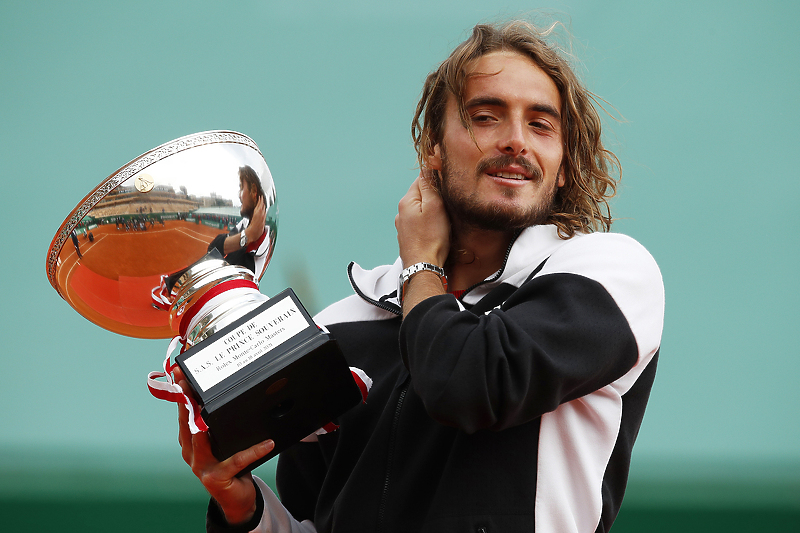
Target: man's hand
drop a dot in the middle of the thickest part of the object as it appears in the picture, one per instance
(236, 496)
(423, 234)
(423, 228)
(256, 226)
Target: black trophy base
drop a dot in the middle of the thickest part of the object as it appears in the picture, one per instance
(284, 406)
(284, 395)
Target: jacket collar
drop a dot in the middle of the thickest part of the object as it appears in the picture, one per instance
(533, 245)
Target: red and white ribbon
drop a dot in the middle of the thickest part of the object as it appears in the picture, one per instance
(210, 300)
(363, 381)
(160, 296)
(254, 246)
(168, 389)
(172, 392)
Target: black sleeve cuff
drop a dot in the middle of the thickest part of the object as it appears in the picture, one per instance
(216, 523)
(415, 317)
(218, 243)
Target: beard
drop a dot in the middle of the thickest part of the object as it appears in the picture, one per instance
(246, 212)
(469, 208)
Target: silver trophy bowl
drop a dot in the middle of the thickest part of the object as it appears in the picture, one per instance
(155, 217)
(141, 255)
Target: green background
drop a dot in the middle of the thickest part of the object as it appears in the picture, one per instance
(709, 95)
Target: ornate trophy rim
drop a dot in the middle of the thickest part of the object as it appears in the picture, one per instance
(126, 171)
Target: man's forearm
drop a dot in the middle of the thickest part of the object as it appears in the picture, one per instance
(421, 286)
(232, 243)
(272, 516)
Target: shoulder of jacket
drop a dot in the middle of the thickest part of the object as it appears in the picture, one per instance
(351, 309)
(375, 285)
(595, 252)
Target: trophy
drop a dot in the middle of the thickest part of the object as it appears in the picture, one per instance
(143, 255)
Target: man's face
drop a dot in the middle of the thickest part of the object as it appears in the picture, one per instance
(246, 196)
(507, 176)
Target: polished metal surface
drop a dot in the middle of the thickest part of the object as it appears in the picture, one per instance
(191, 287)
(224, 314)
(155, 217)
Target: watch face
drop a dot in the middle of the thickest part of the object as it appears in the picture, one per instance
(406, 274)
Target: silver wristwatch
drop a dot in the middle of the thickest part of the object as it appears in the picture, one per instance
(242, 239)
(406, 274)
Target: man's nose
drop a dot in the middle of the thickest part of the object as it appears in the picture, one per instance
(513, 140)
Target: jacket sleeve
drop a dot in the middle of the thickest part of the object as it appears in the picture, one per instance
(239, 257)
(574, 328)
(219, 240)
(218, 243)
(270, 517)
(299, 477)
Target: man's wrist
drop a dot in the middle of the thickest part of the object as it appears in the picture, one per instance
(253, 233)
(247, 521)
(240, 516)
(416, 268)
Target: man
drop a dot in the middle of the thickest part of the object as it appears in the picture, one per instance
(74, 237)
(245, 244)
(510, 384)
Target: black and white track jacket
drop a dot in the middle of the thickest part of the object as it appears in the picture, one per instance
(513, 409)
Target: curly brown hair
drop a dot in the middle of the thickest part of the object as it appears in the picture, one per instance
(249, 176)
(582, 203)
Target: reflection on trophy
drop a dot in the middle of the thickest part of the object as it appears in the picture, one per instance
(180, 237)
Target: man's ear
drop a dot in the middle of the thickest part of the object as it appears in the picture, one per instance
(434, 160)
(561, 178)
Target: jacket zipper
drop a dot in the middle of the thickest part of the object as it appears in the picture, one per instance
(396, 421)
(380, 305)
(397, 311)
(390, 457)
(497, 274)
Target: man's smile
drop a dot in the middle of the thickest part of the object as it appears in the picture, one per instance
(508, 175)
(511, 168)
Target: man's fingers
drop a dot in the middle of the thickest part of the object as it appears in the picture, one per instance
(427, 189)
(236, 463)
(425, 180)
(414, 190)
(184, 434)
(204, 465)
(201, 450)
(259, 217)
(412, 198)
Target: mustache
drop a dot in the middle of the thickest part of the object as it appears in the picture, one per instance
(508, 160)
